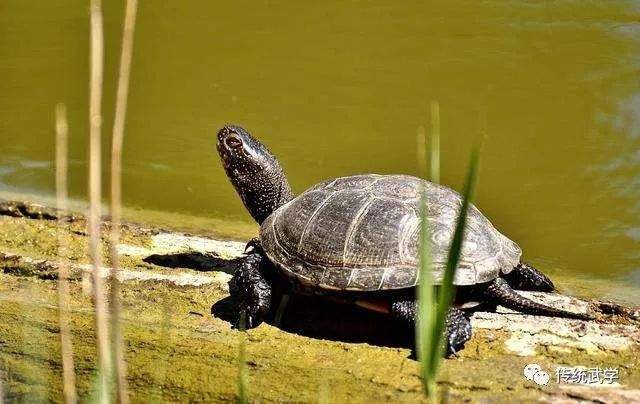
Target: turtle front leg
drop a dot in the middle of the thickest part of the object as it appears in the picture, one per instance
(526, 277)
(457, 325)
(251, 289)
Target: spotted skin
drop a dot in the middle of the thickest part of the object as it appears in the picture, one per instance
(254, 172)
(500, 290)
(457, 325)
(252, 290)
(526, 277)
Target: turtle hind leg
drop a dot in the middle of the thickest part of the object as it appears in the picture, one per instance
(526, 277)
(458, 331)
(457, 325)
(500, 290)
(252, 290)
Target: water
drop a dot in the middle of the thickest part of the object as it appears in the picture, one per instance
(338, 88)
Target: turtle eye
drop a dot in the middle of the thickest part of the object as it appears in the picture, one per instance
(233, 142)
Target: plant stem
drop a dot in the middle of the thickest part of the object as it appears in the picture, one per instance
(66, 349)
(243, 377)
(425, 292)
(446, 290)
(116, 193)
(95, 126)
(435, 142)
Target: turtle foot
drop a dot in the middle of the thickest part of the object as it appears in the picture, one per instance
(458, 331)
(457, 325)
(252, 291)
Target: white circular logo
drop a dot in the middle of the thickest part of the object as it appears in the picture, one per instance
(531, 370)
(541, 377)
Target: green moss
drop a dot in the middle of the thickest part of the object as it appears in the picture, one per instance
(177, 351)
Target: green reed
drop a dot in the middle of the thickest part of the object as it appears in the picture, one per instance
(124, 72)
(432, 308)
(96, 66)
(66, 347)
(435, 143)
(243, 376)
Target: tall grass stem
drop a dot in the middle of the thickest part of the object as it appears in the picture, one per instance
(446, 290)
(1, 386)
(432, 315)
(421, 138)
(323, 392)
(426, 301)
(425, 293)
(95, 127)
(435, 143)
(122, 93)
(66, 348)
(243, 376)
(243, 381)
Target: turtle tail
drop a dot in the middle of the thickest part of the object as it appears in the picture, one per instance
(500, 290)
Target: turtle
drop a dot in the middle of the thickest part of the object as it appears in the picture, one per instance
(356, 238)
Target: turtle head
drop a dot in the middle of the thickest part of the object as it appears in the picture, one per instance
(254, 172)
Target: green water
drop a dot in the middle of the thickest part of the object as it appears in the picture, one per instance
(338, 88)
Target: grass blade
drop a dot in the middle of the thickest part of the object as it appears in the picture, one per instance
(1, 385)
(446, 290)
(323, 392)
(116, 194)
(431, 316)
(435, 142)
(66, 349)
(243, 376)
(425, 292)
(95, 127)
(426, 302)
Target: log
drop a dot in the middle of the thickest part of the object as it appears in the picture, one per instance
(181, 346)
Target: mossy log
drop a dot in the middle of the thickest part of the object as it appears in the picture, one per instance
(180, 346)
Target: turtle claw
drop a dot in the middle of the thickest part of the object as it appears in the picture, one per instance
(245, 321)
(252, 245)
(248, 318)
(453, 346)
(248, 322)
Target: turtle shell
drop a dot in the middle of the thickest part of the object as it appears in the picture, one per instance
(361, 233)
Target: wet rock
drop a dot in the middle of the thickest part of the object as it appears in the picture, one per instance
(31, 211)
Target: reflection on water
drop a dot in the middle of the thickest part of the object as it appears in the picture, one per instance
(619, 176)
(339, 88)
(15, 171)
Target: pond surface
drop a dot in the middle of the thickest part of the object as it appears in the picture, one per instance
(339, 88)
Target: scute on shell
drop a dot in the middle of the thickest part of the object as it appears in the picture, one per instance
(362, 233)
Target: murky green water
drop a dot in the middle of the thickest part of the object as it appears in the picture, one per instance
(339, 88)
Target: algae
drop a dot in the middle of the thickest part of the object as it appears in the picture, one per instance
(180, 346)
